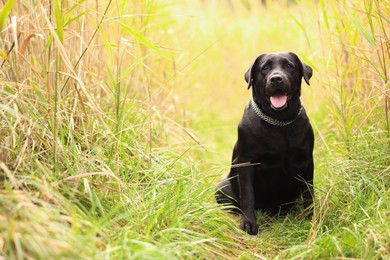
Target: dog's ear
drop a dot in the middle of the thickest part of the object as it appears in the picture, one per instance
(248, 77)
(307, 72)
(250, 72)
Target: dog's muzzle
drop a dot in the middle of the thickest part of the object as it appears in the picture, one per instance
(278, 96)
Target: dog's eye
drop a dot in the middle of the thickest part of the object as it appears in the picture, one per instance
(289, 66)
(265, 67)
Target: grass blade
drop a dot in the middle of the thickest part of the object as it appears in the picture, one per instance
(59, 21)
(363, 30)
(5, 11)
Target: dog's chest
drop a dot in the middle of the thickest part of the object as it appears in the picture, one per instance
(290, 162)
(286, 152)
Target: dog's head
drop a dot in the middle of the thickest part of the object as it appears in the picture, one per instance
(276, 80)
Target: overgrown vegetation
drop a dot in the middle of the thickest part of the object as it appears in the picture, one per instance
(117, 118)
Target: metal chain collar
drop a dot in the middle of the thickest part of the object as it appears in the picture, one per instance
(271, 120)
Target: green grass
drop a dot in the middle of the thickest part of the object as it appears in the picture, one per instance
(117, 119)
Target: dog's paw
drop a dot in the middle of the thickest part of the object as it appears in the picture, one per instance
(309, 210)
(309, 215)
(249, 227)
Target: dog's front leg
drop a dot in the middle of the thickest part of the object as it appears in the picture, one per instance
(247, 200)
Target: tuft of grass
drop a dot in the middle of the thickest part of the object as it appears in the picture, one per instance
(117, 118)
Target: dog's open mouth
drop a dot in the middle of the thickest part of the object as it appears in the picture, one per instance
(279, 100)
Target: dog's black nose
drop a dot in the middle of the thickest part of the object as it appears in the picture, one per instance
(275, 79)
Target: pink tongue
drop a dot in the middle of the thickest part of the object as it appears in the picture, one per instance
(278, 101)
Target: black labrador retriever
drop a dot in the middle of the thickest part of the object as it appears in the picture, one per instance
(272, 164)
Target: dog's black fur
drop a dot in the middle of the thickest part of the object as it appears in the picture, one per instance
(272, 166)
